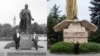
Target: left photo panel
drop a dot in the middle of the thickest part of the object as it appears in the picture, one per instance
(23, 27)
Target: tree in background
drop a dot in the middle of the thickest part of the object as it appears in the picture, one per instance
(7, 31)
(39, 29)
(95, 18)
(43, 28)
(53, 19)
(34, 28)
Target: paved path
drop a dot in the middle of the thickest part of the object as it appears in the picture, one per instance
(48, 54)
(92, 54)
(5, 52)
(41, 49)
(12, 52)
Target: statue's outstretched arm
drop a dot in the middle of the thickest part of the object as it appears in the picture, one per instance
(30, 15)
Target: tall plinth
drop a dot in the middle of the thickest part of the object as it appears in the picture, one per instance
(25, 41)
(75, 30)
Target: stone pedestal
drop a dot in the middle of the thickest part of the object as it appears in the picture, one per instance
(75, 32)
(25, 42)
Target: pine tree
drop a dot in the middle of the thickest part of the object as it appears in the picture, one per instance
(95, 18)
(53, 19)
(95, 12)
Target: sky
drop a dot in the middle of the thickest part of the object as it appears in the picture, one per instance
(83, 8)
(11, 8)
(39, 9)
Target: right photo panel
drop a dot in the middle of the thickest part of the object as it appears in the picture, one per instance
(73, 27)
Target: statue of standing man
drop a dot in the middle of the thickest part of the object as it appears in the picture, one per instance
(25, 16)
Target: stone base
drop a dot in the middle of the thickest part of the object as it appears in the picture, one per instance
(80, 40)
(26, 53)
(75, 32)
(25, 42)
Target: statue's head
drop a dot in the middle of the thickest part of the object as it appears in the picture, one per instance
(26, 6)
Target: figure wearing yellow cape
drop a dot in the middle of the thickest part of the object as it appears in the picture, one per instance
(71, 9)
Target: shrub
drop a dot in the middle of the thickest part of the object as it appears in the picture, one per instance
(62, 47)
(89, 47)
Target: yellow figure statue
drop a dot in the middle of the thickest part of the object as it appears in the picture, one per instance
(71, 9)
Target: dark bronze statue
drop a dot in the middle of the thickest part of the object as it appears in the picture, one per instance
(25, 16)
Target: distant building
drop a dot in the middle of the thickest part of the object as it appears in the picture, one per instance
(14, 22)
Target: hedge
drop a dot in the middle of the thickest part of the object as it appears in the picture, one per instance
(63, 47)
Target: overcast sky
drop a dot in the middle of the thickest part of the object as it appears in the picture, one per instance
(39, 9)
(83, 10)
(11, 8)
